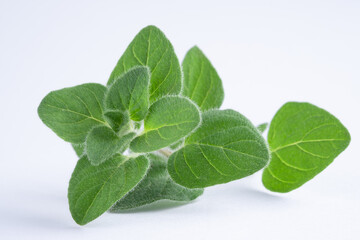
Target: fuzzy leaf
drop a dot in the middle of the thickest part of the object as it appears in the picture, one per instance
(177, 144)
(224, 148)
(118, 120)
(151, 48)
(262, 127)
(129, 92)
(102, 143)
(94, 189)
(304, 140)
(157, 185)
(72, 112)
(202, 84)
(169, 119)
(79, 149)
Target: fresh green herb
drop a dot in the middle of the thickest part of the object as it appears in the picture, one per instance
(224, 148)
(156, 185)
(79, 149)
(102, 143)
(130, 93)
(169, 119)
(202, 84)
(72, 112)
(118, 120)
(154, 135)
(303, 140)
(152, 49)
(94, 189)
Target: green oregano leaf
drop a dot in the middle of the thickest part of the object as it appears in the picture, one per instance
(157, 185)
(304, 140)
(151, 48)
(118, 120)
(262, 127)
(94, 189)
(224, 148)
(72, 112)
(125, 141)
(129, 92)
(169, 119)
(202, 84)
(102, 143)
(79, 149)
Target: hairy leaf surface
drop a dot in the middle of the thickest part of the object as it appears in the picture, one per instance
(129, 92)
(79, 149)
(202, 84)
(169, 119)
(157, 185)
(94, 189)
(224, 148)
(72, 112)
(102, 143)
(151, 48)
(304, 140)
(118, 120)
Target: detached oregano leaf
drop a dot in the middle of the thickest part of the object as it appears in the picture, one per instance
(151, 48)
(72, 112)
(94, 189)
(102, 143)
(202, 84)
(304, 140)
(129, 92)
(224, 148)
(169, 119)
(156, 185)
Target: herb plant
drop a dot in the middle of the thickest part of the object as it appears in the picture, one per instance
(155, 132)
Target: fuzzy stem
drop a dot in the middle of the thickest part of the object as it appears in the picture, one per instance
(165, 152)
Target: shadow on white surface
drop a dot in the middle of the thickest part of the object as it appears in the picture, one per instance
(161, 205)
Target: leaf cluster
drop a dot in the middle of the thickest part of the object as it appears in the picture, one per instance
(155, 132)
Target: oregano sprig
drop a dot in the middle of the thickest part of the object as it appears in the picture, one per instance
(156, 132)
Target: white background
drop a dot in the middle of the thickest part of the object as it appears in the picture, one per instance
(267, 53)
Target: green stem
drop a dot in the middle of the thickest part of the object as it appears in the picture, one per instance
(165, 152)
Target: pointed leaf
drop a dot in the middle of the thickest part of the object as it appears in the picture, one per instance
(157, 185)
(72, 112)
(262, 127)
(102, 143)
(304, 140)
(151, 48)
(129, 92)
(224, 148)
(169, 119)
(94, 189)
(202, 84)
